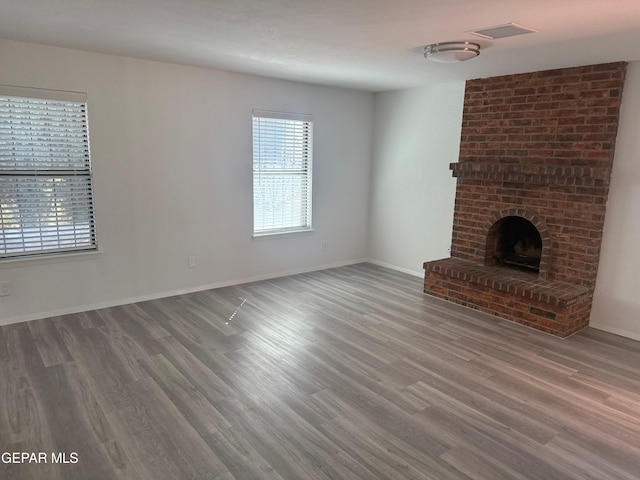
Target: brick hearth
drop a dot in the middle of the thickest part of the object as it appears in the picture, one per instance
(537, 146)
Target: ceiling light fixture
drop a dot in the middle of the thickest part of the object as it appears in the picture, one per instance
(451, 52)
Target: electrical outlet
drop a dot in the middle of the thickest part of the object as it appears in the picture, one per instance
(191, 261)
(325, 246)
(5, 289)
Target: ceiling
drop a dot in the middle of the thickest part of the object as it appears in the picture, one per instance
(372, 45)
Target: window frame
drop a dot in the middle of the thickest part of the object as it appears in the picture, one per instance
(62, 183)
(303, 156)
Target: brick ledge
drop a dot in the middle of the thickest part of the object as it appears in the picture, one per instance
(524, 284)
(532, 174)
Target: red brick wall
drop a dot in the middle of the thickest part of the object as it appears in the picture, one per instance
(540, 143)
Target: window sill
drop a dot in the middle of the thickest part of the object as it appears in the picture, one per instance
(257, 236)
(49, 259)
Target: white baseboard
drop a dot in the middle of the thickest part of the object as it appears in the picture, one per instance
(170, 293)
(615, 331)
(399, 269)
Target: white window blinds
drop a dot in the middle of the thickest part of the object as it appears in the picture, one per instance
(282, 165)
(46, 194)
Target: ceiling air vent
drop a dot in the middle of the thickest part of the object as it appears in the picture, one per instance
(502, 31)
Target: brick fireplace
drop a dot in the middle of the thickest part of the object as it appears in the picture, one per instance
(533, 176)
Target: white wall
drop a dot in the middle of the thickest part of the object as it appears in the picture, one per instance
(171, 152)
(616, 306)
(416, 137)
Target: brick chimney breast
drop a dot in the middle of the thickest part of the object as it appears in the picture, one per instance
(538, 146)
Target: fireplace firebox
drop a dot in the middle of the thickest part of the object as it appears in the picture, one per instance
(517, 244)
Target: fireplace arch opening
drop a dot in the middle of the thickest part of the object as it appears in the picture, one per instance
(515, 243)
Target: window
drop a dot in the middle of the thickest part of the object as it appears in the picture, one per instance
(282, 161)
(46, 194)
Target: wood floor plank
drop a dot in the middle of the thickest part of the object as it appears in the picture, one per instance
(189, 363)
(78, 425)
(273, 443)
(477, 466)
(386, 414)
(386, 455)
(49, 343)
(349, 373)
(237, 453)
(181, 444)
(587, 465)
(191, 403)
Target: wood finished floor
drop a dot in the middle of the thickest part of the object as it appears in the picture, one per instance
(349, 373)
